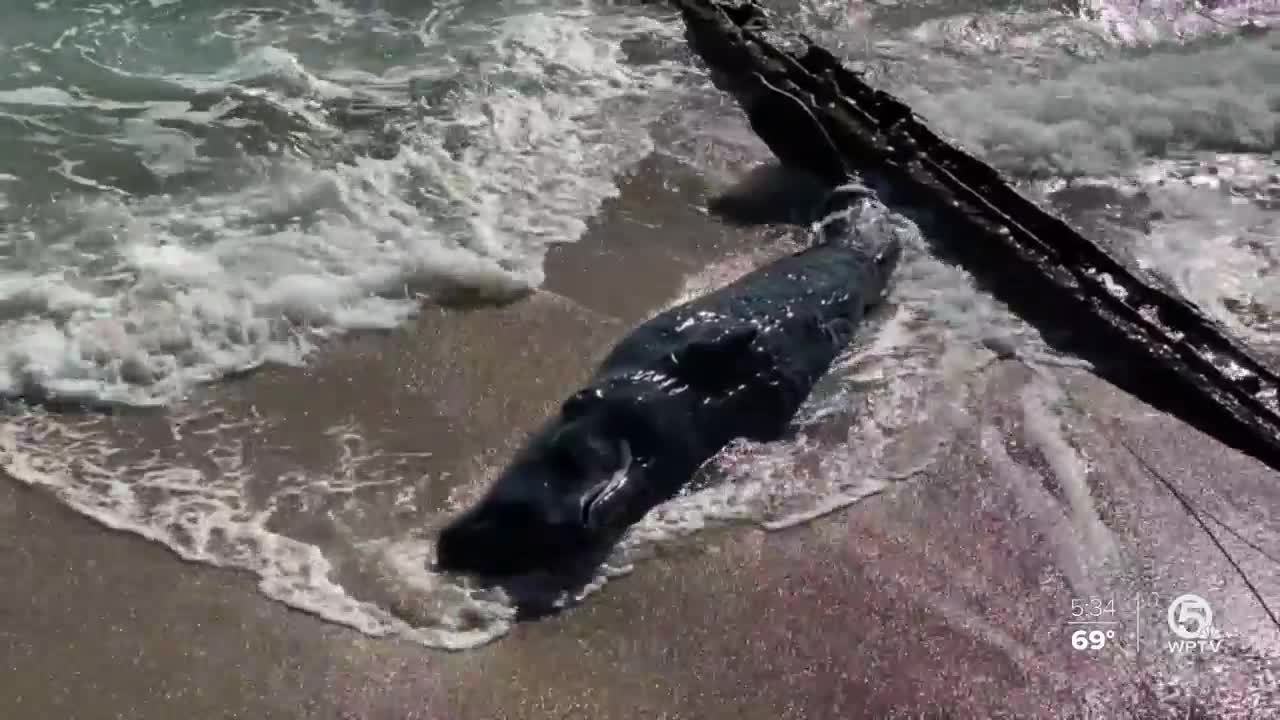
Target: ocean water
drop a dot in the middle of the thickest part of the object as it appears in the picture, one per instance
(194, 194)
(193, 190)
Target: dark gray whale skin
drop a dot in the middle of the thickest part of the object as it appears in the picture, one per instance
(735, 363)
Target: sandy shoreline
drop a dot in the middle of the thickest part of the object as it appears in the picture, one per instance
(945, 597)
(927, 600)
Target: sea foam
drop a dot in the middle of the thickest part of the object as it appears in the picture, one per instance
(130, 294)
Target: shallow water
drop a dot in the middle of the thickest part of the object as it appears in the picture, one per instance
(180, 207)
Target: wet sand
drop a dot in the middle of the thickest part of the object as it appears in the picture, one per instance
(944, 597)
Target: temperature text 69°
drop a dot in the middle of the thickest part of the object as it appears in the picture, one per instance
(1091, 639)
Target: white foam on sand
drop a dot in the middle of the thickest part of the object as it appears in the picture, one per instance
(132, 298)
(1215, 234)
(1209, 226)
(207, 510)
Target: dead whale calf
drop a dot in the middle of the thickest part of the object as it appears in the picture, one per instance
(735, 363)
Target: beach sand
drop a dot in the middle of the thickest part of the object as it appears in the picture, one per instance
(946, 596)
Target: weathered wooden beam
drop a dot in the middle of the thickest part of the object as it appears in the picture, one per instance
(803, 102)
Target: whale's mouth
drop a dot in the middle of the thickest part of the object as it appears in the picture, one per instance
(600, 505)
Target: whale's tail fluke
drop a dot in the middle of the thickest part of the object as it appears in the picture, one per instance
(839, 216)
(852, 217)
(852, 214)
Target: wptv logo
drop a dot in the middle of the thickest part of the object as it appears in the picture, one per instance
(1191, 621)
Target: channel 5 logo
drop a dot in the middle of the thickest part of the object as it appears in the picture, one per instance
(1191, 621)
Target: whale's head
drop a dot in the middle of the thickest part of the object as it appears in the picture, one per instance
(567, 491)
